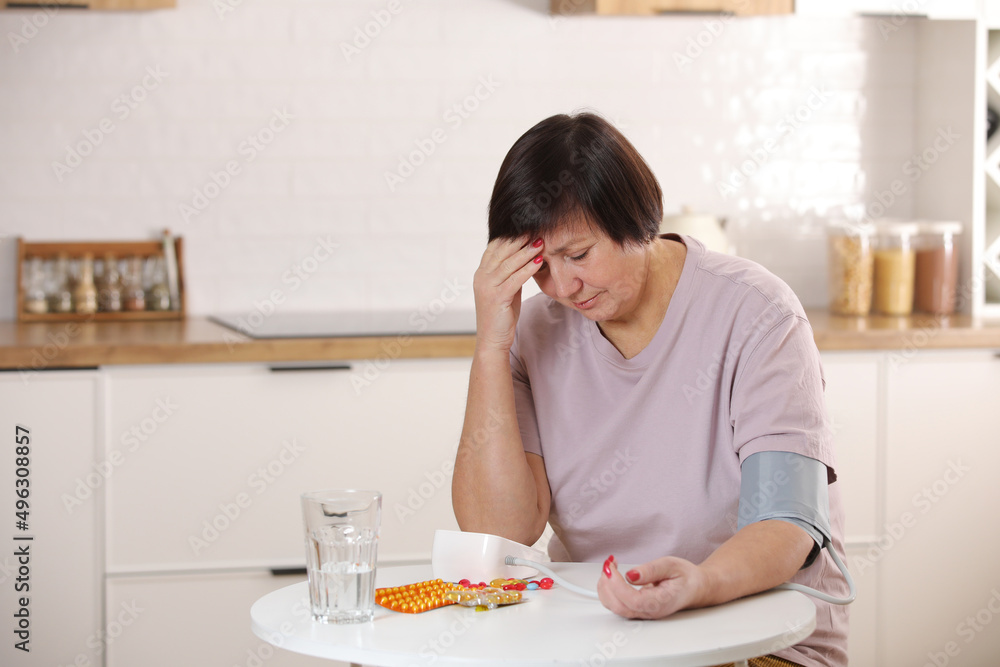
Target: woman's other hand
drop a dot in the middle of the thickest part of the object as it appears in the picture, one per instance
(506, 265)
(665, 585)
(758, 557)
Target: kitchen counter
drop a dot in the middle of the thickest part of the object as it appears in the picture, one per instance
(920, 331)
(195, 340)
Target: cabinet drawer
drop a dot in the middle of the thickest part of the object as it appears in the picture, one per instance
(57, 572)
(204, 619)
(217, 482)
(852, 403)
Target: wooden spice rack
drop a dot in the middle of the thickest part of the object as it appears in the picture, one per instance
(98, 249)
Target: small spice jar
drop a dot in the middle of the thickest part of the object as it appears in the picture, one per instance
(133, 294)
(936, 267)
(850, 264)
(35, 301)
(895, 264)
(109, 288)
(59, 293)
(85, 293)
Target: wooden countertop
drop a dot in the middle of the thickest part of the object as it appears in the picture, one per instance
(198, 340)
(883, 332)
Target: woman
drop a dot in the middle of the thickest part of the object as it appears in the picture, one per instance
(658, 402)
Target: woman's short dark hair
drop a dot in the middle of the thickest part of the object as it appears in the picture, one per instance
(577, 165)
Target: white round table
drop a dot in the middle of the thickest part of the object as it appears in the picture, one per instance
(554, 627)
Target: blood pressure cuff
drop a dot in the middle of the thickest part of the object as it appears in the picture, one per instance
(789, 487)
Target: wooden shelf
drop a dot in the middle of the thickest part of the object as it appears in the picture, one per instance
(98, 249)
(653, 7)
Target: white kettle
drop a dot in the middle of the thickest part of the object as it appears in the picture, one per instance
(707, 228)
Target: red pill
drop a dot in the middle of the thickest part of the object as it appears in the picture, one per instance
(546, 583)
(464, 582)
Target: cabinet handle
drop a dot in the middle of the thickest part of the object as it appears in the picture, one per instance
(37, 5)
(61, 369)
(287, 571)
(313, 367)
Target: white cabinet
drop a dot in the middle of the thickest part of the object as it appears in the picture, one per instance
(852, 401)
(215, 458)
(939, 588)
(58, 575)
(862, 638)
(196, 619)
(217, 483)
(935, 9)
(852, 404)
(918, 452)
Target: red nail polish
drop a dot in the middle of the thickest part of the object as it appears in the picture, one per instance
(538, 260)
(607, 568)
(611, 558)
(632, 575)
(537, 243)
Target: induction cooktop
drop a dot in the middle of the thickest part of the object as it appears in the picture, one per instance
(349, 324)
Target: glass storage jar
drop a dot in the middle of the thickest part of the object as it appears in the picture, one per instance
(850, 263)
(936, 267)
(895, 264)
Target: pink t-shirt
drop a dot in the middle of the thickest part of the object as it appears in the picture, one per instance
(643, 455)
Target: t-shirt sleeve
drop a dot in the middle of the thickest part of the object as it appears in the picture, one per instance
(527, 421)
(777, 397)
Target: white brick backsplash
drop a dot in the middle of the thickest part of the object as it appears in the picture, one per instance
(33, 220)
(465, 251)
(470, 179)
(275, 216)
(321, 61)
(347, 178)
(340, 292)
(337, 22)
(344, 102)
(493, 23)
(695, 111)
(414, 292)
(408, 214)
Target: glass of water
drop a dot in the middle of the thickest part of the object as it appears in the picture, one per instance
(341, 546)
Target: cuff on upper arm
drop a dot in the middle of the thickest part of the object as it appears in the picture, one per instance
(789, 487)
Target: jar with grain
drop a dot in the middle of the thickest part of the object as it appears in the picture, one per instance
(936, 267)
(850, 263)
(895, 264)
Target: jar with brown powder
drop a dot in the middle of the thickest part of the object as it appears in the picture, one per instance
(936, 267)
